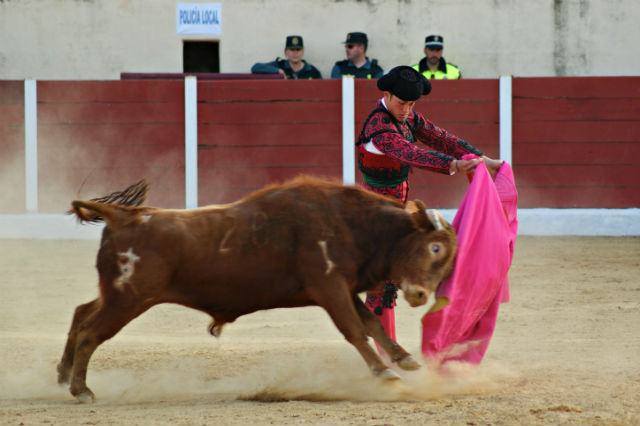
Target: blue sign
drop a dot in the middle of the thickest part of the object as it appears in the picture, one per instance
(199, 18)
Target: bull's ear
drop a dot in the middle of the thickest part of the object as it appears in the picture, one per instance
(414, 206)
(418, 213)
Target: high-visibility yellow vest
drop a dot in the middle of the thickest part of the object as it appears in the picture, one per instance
(445, 71)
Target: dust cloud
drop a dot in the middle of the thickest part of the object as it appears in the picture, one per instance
(324, 376)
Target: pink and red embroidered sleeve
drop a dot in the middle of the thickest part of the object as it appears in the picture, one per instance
(441, 140)
(398, 144)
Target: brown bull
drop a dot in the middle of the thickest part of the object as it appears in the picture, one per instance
(301, 243)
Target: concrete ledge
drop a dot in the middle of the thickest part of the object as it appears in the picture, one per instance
(47, 227)
(586, 222)
(594, 222)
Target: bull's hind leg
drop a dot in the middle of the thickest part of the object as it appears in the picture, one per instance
(338, 303)
(375, 330)
(66, 363)
(101, 325)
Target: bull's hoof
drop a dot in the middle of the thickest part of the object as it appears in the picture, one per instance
(388, 375)
(409, 363)
(86, 397)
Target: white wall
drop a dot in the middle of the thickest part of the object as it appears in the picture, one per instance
(98, 39)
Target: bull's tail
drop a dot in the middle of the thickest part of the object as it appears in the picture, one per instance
(91, 211)
(133, 195)
(97, 209)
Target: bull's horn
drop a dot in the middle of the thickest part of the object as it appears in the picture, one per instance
(435, 219)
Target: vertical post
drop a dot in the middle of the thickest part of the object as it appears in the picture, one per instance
(506, 118)
(191, 141)
(348, 124)
(31, 145)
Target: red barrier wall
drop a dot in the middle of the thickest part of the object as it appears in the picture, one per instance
(12, 163)
(257, 132)
(575, 140)
(95, 137)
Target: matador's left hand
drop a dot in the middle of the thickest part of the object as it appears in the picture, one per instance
(492, 165)
(469, 166)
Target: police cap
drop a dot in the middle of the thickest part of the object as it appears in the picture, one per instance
(356, 38)
(294, 42)
(434, 42)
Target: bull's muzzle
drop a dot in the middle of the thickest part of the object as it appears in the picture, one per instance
(416, 295)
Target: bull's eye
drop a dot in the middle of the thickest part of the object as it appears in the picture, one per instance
(435, 248)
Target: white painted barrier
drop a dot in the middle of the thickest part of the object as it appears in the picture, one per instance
(191, 141)
(348, 130)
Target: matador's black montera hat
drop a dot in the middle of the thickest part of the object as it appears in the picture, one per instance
(405, 83)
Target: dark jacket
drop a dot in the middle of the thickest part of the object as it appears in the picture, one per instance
(370, 69)
(307, 72)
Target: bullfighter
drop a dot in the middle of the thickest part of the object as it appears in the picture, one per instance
(387, 151)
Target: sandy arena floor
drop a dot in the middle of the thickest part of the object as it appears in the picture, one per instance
(566, 351)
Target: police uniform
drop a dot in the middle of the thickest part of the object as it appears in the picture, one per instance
(369, 70)
(445, 71)
(307, 72)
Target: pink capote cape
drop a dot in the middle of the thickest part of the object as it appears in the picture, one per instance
(486, 223)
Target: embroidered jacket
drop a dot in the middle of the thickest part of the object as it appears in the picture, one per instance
(387, 150)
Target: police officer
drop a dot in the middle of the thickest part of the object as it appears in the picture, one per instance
(294, 67)
(433, 65)
(357, 63)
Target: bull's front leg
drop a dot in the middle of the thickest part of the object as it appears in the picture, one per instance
(337, 301)
(375, 330)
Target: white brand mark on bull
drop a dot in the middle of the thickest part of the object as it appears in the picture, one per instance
(330, 264)
(126, 263)
(223, 244)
